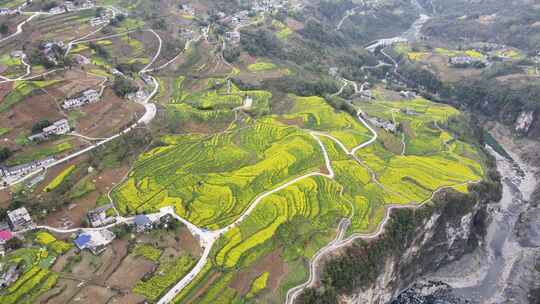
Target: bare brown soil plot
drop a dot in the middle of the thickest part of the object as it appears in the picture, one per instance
(63, 259)
(95, 268)
(390, 142)
(294, 24)
(76, 80)
(127, 298)
(5, 198)
(271, 263)
(129, 272)
(93, 294)
(178, 242)
(30, 110)
(203, 128)
(61, 293)
(108, 116)
(110, 177)
(200, 291)
(449, 74)
(5, 88)
(409, 132)
(119, 252)
(292, 121)
(189, 243)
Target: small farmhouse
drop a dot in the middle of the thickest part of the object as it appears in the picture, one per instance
(25, 168)
(84, 98)
(142, 223)
(100, 216)
(60, 127)
(95, 241)
(19, 219)
(383, 124)
(233, 37)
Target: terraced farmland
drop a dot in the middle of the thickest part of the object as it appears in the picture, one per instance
(35, 262)
(212, 179)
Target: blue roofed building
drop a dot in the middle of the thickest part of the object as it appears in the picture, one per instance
(142, 223)
(82, 241)
(95, 241)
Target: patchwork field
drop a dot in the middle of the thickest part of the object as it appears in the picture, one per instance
(212, 179)
(35, 262)
(265, 177)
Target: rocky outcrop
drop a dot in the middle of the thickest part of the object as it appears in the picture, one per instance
(454, 228)
(429, 292)
(506, 267)
(524, 122)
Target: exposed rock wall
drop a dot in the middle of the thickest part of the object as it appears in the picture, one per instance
(451, 231)
(524, 122)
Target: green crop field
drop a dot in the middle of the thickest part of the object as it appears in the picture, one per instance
(36, 277)
(147, 251)
(21, 90)
(167, 274)
(211, 179)
(282, 30)
(315, 114)
(227, 168)
(59, 179)
(38, 152)
(260, 66)
(258, 285)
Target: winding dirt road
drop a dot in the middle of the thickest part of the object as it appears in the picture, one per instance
(150, 113)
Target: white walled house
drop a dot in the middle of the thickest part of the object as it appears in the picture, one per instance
(86, 97)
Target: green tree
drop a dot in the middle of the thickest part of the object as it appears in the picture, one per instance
(5, 153)
(3, 29)
(123, 86)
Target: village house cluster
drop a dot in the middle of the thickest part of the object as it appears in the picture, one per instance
(86, 97)
(187, 34)
(59, 127)
(14, 11)
(96, 241)
(235, 21)
(24, 169)
(49, 50)
(242, 18)
(186, 9)
(104, 18)
(10, 275)
(467, 61)
(18, 54)
(269, 6)
(407, 94)
(383, 124)
(138, 96)
(69, 6)
(101, 216)
(17, 220)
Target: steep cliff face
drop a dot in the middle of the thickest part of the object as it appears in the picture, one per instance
(534, 130)
(478, 248)
(452, 230)
(505, 267)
